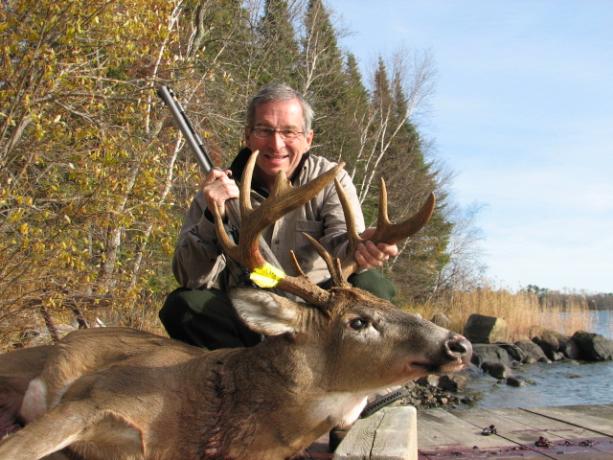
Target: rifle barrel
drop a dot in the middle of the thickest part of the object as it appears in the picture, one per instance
(191, 136)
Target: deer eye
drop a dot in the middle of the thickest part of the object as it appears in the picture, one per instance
(358, 324)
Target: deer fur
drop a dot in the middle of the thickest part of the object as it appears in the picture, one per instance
(115, 393)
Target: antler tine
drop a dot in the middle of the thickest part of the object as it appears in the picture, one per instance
(304, 288)
(354, 237)
(229, 247)
(392, 233)
(245, 185)
(386, 232)
(295, 263)
(331, 262)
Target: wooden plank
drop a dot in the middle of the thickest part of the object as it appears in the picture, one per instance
(358, 441)
(595, 418)
(438, 429)
(389, 434)
(525, 428)
(396, 437)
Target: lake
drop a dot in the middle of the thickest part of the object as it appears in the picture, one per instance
(556, 384)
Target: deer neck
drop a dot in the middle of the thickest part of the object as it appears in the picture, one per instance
(288, 408)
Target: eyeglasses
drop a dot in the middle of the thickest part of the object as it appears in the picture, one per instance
(263, 132)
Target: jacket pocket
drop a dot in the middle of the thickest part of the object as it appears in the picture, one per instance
(313, 227)
(304, 250)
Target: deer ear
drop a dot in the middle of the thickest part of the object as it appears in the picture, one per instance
(265, 312)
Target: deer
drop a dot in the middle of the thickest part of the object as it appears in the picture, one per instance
(121, 393)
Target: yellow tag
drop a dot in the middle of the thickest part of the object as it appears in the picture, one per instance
(266, 276)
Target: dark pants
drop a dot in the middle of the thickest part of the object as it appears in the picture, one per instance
(206, 318)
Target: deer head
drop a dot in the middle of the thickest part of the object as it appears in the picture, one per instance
(346, 322)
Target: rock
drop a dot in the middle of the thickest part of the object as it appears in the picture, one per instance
(440, 319)
(593, 347)
(485, 329)
(515, 352)
(570, 349)
(548, 340)
(452, 383)
(532, 351)
(430, 379)
(496, 370)
(557, 356)
(515, 381)
(490, 353)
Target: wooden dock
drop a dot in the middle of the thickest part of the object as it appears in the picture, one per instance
(569, 432)
(564, 433)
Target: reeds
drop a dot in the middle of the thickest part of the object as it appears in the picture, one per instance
(524, 313)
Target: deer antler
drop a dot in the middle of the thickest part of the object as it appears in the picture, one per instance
(385, 232)
(282, 199)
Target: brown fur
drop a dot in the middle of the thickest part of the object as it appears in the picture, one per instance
(124, 394)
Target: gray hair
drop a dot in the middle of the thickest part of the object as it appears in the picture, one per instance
(279, 92)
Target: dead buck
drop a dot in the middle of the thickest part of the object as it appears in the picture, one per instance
(118, 393)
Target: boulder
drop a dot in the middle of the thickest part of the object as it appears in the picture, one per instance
(485, 329)
(441, 319)
(533, 353)
(515, 352)
(490, 353)
(452, 382)
(557, 356)
(593, 347)
(496, 370)
(570, 349)
(549, 341)
(515, 381)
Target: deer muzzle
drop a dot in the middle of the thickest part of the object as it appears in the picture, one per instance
(459, 349)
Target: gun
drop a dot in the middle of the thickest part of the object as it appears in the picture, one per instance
(188, 131)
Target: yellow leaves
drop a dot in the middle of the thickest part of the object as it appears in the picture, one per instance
(15, 216)
(23, 200)
(86, 94)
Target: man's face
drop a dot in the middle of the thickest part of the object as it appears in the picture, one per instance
(276, 152)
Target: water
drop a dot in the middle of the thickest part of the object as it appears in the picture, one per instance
(556, 384)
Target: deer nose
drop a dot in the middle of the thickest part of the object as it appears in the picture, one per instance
(459, 348)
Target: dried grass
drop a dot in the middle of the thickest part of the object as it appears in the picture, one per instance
(523, 313)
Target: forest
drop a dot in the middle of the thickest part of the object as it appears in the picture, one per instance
(95, 177)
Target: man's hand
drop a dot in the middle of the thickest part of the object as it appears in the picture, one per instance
(218, 187)
(369, 254)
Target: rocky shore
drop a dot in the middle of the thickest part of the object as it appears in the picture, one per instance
(494, 358)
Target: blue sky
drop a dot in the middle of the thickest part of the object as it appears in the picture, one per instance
(522, 114)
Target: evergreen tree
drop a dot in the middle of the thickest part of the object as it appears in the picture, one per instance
(411, 179)
(278, 48)
(354, 117)
(322, 78)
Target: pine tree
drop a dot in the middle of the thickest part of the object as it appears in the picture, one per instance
(411, 178)
(278, 48)
(354, 117)
(322, 78)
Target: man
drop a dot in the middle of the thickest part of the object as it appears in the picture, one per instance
(279, 126)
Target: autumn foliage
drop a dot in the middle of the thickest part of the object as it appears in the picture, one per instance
(94, 177)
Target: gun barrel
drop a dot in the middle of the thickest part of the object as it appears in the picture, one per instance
(191, 136)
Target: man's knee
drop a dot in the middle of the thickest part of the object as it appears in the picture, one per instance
(205, 318)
